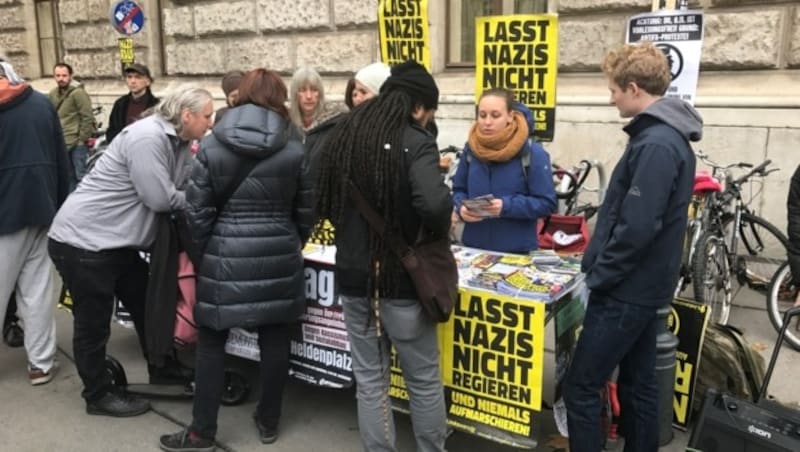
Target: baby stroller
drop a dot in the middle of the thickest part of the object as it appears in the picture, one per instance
(237, 386)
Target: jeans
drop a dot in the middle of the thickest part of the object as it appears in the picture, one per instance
(78, 156)
(614, 333)
(273, 343)
(414, 337)
(93, 279)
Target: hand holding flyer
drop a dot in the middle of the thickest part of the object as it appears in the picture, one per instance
(480, 206)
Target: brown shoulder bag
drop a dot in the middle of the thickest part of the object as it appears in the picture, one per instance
(430, 265)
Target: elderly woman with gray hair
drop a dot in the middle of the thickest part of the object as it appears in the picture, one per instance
(96, 236)
(307, 106)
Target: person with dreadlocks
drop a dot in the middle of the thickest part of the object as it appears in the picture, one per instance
(383, 149)
(365, 85)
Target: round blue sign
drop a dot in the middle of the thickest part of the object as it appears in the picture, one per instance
(127, 17)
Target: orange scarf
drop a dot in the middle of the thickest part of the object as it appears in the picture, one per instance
(502, 146)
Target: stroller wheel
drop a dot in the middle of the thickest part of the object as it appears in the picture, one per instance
(116, 372)
(236, 388)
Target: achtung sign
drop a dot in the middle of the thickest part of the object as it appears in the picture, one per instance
(519, 53)
(404, 34)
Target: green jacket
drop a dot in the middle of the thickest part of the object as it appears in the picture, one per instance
(75, 113)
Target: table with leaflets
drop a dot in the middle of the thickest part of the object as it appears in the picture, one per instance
(492, 348)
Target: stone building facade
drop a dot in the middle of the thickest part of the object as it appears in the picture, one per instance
(748, 93)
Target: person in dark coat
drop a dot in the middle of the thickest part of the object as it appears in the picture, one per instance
(633, 260)
(363, 86)
(250, 272)
(34, 182)
(129, 108)
(384, 150)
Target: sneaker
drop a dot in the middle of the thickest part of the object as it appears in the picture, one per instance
(186, 441)
(268, 435)
(118, 405)
(39, 377)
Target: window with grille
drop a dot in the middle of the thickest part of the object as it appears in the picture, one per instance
(51, 48)
(461, 16)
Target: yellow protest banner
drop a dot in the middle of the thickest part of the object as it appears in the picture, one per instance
(519, 53)
(688, 321)
(404, 34)
(492, 360)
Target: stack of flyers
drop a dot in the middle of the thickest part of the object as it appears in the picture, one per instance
(545, 257)
(520, 284)
(485, 260)
(478, 206)
(535, 284)
(520, 260)
(465, 256)
(567, 266)
(485, 280)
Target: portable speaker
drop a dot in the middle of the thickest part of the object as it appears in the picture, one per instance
(729, 424)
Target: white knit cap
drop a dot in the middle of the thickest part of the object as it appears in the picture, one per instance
(373, 76)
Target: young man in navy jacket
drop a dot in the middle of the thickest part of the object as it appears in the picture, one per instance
(633, 259)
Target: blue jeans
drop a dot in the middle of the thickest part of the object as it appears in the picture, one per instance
(78, 156)
(414, 337)
(614, 333)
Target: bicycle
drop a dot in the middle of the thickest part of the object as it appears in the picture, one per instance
(705, 187)
(736, 245)
(782, 296)
(570, 184)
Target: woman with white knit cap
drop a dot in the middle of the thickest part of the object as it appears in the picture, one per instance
(368, 82)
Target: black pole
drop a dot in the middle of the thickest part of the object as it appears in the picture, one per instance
(666, 348)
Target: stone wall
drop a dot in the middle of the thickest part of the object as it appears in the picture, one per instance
(212, 37)
(748, 92)
(13, 34)
(738, 34)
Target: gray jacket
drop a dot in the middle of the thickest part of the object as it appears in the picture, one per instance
(115, 205)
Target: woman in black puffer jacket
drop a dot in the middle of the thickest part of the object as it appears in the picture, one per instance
(249, 266)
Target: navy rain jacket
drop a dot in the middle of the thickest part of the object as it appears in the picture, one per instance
(635, 253)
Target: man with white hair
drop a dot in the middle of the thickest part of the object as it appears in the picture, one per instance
(96, 237)
(34, 183)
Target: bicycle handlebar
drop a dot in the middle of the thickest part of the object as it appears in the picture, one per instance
(757, 170)
(717, 167)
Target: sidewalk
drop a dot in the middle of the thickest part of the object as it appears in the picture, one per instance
(52, 417)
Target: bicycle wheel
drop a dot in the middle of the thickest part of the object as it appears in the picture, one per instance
(760, 250)
(780, 297)
(711, 277)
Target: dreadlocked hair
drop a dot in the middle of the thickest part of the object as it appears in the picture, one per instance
(365, 148)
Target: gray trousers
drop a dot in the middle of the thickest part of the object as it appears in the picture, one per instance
(26, 269)
(414, 337)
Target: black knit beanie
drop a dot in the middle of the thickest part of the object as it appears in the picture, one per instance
(414, 79)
